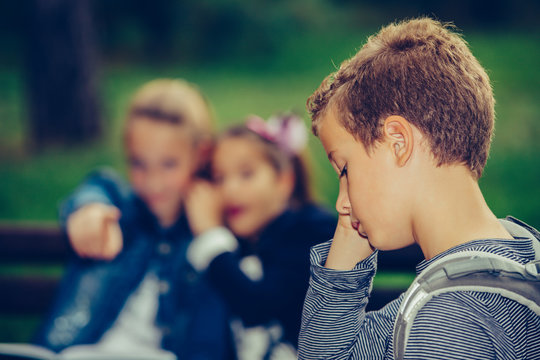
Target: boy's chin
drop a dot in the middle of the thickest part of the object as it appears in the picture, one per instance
(362, 234)
(388, 245)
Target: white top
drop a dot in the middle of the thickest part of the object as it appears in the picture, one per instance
(208, 245)
(135, 325)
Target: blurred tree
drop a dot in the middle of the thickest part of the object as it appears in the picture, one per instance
(137, 29)
(464, 13)
(61, 72)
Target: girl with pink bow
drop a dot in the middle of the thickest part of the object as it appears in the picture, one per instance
(255, 223)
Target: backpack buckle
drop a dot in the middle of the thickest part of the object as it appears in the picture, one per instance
(533, 268)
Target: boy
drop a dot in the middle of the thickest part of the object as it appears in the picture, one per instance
(129, 286)
(407, 124)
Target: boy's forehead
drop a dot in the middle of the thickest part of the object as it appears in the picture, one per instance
(329, 123)
(331, 132)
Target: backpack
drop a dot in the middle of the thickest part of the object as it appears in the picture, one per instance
(472, 271)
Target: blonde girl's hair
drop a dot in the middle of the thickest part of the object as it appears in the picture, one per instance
(173, 101)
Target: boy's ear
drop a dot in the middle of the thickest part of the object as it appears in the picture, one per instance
(399, 135)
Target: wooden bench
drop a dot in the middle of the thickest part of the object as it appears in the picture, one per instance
(43, 245)
(25, 249)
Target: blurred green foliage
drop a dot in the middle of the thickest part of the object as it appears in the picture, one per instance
(32, 184)
(211, 30)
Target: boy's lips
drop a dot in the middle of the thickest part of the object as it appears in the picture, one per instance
(356, 226)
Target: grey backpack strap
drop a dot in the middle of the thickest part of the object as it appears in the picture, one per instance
(518, 228)
(467, 271)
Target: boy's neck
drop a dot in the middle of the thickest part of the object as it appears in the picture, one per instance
(453, 211)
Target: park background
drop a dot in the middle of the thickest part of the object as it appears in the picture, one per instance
(248, 57)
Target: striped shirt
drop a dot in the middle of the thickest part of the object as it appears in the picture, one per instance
(456, 325)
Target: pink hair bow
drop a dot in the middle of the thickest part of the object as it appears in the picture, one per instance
(288, 131)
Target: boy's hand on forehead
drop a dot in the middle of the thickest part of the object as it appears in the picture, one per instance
(204, 207)
(94, 232)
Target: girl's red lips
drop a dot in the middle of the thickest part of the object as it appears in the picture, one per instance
(232, 211)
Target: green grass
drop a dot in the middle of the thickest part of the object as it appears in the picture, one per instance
(53, 271)
(392, 280)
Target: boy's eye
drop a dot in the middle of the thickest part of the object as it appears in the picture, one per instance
(343, 172)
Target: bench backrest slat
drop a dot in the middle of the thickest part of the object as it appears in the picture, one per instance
(32, 243)
(45, 244)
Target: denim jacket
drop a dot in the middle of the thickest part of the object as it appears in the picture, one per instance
(191, 315)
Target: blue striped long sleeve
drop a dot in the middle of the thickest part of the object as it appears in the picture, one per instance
(456, 325)
(335, 324)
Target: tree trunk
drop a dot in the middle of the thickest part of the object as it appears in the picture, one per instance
(61, 73)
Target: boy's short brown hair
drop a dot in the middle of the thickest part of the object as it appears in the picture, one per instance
(419, 69)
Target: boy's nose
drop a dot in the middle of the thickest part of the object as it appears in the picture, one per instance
(343, 205)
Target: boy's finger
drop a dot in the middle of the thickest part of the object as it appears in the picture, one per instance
(345, 222)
